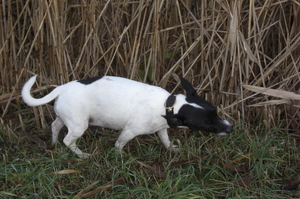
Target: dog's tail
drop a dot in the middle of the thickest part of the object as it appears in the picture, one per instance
(30, 101)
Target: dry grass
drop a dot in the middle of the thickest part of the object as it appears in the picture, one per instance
(218, 45)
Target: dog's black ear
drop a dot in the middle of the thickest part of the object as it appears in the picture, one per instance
(188, 87)
(174, 120)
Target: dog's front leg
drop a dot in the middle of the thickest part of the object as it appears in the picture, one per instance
(164, 137)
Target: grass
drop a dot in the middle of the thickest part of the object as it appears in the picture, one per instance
(198, 171)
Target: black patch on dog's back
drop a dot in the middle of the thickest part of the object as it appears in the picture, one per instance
(89, 80)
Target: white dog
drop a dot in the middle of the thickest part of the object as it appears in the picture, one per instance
(122, 104)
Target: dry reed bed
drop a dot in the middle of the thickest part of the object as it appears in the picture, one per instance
(218, 45)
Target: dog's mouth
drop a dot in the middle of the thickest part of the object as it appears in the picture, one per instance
(226, 132)
(183, 127)
(221, 134)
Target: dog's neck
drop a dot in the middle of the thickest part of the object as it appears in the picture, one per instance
(169, 105)
(179, 102)
(174, 103)
(172, 106)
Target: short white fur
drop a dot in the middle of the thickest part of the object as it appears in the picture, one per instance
(109, 103)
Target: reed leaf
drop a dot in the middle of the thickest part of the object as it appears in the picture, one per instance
(218, 45)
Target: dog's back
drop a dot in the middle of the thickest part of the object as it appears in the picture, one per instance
(111, 102)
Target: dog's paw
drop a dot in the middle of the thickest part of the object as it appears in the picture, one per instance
(84, 155)
(119, 151)
(175, 148)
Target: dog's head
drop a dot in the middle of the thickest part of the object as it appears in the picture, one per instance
(198, 114)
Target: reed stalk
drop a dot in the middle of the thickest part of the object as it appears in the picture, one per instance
(218, 45)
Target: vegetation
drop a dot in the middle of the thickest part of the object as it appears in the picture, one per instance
(207, 167)
(242, 56)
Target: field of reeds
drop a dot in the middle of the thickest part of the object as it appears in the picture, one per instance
(242, 56)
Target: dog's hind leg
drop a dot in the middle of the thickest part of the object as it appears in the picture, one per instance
(70, 141)
(163, 135)
(125, 136)
(56, 126)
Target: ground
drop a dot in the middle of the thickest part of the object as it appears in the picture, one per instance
(251, 162)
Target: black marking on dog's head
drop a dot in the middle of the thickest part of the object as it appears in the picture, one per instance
(89, 80)
(198, 114)
(193, 97)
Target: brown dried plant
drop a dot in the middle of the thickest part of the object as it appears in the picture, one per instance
(218, 45)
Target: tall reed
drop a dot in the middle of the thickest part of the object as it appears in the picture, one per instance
(219, 45)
